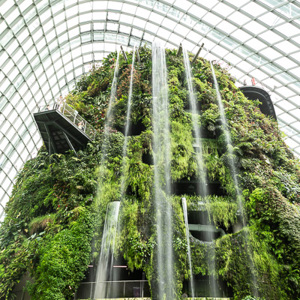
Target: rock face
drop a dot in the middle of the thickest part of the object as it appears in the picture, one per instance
(53, 228)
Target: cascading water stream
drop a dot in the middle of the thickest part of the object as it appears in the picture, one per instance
(202, 181)
(107, 249)
(234, 175)
(124, 153)
(127, 126)
(109, 114)
(195, 121)
(105, 261)
(108, 121)
(232, 165)
(187, 233)
(162, 176)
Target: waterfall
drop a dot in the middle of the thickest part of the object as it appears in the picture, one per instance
(162, 176)
(109, 118)
(116, 274)
(202, 181)
(187, 233)
(127, 126)
(108, 236)
(234, 175)
(113, 93)
(105, 263)
(232, 165)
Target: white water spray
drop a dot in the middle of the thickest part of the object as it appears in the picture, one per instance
(109, 118)
(195, 121)
(232, 165)
(202, 181)
(162, 175)
(187, 233)
(127, 126)
(108, 238)
(116, 274)
(105, 263)
(234, 175)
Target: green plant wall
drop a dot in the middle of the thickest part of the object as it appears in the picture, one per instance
(55, 216)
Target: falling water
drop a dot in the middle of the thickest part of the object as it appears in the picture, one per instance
(234, 175)
(187, 233)
(116, 275)
(202, 182)
(232, 165)
(162, 175)
(113, 92)
(109, 114)
(107, 237)
(109, 118)
(105, 263)
(195, 119)
(127, 126)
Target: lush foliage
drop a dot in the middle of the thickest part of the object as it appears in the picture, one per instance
(54, 219)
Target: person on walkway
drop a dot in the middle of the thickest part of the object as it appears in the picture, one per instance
(81, 125)
(60, 103)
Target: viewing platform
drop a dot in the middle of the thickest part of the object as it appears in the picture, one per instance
(63, 129)
(266, 106)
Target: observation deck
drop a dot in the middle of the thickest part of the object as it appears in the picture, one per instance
(266, 106)
(63, 129)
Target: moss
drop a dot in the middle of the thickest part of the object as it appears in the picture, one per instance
(183, 164)
(39, 224)
(62, 260)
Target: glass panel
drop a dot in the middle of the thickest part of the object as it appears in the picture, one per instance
(239, 18)
(255, 44)
(285, 63)
(128, 8)
(126, 19)
(288, 29)
(28, 16)
(254, 9)
(151, 27)
(183, 31)
(143, 12)
(270, 37)
(85, 18)
(85, 38)
(12, 15)
(5, 7)
(226, 26)
(210, 4)
(211, 18)
(287, 47)
(197, 11)
(112, 26)
(137, 33)
(5, 38)
(270, 53)
(158, 18)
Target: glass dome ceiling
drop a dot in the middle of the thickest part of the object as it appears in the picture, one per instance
(46, 45)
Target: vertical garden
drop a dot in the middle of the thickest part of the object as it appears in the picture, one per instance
(55, 217)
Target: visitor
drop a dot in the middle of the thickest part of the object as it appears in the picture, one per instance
(60, 103)
(80, 125)
(75, 113)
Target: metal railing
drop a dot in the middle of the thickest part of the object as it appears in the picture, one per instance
(72, 115)
(115, 289)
